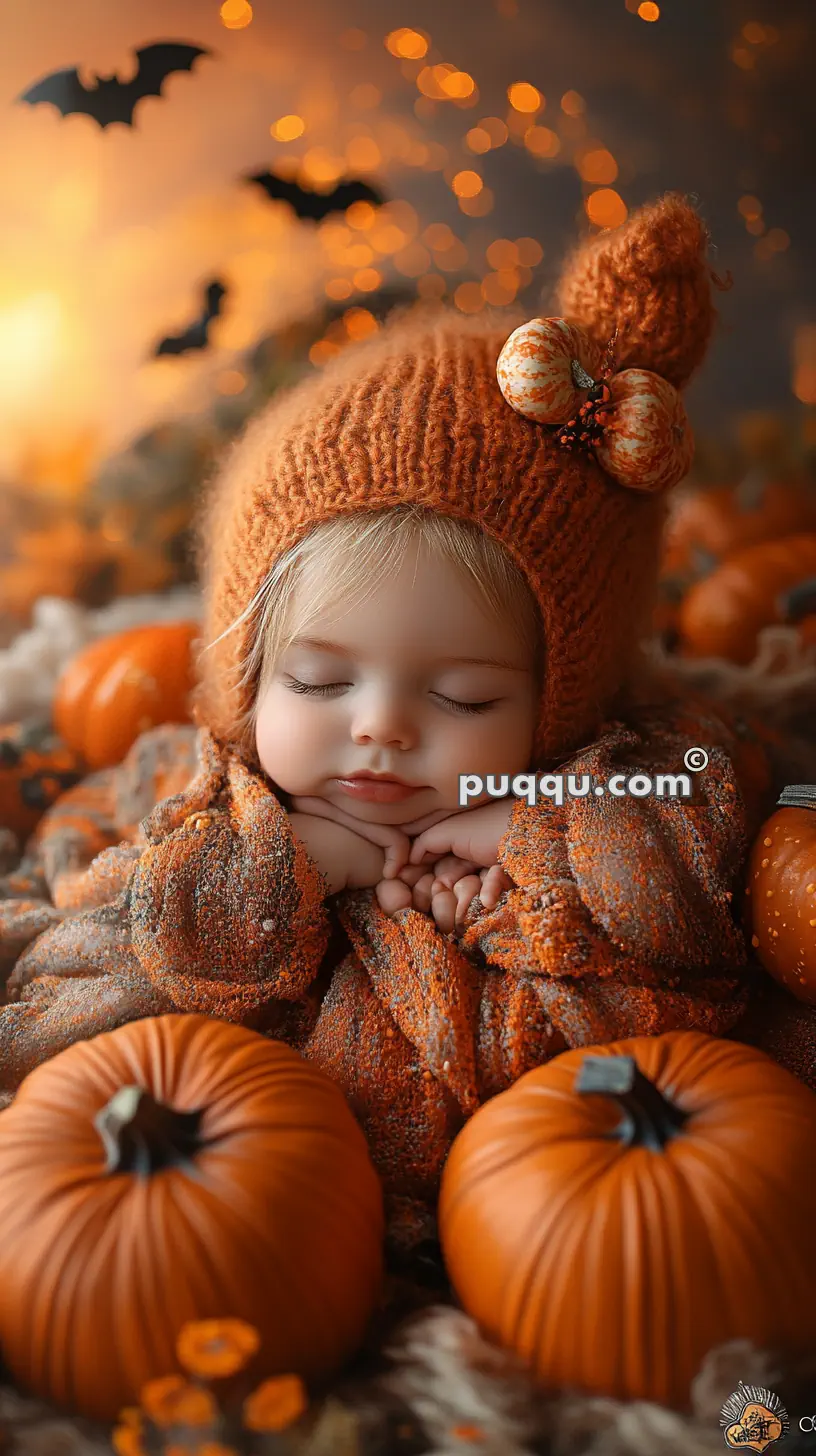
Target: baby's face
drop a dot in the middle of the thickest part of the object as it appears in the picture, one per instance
(384, 697)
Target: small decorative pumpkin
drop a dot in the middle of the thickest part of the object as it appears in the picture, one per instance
(123, 684)
(551, 372)
(622, 1210)
(722, 615)
(647, 439)
(780, 893)
(35, 768)
(537, 370)
(180, 1168)
(708, 524)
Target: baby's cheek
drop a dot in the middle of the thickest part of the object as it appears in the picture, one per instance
(290, 746)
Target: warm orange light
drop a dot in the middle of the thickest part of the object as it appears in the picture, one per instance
(499, 288)
(467, 184)
(458, 85)
(321, 352)
(755, 226)
(235, 14)
(524, 97)
(388, 239)
(745, 59)
(573, 103)
(804, 363)
(754, 33)
(363, 154)
(542, 142)
(606, 208)
(322, 167)
(478, 206)
(367, 279)
(597, 165)
(478, 140)
(339, 288)
(778, 240)
(431, 286)
(749, 206)
(359, 255)
(409, 45)
(496, 130)
(412, 261)
(530, 252)
(360, 216)
(360, 323)
(469, 297)
(502, 254)
(648, 10)
(288, 128)
(365, 96)
(439, 236)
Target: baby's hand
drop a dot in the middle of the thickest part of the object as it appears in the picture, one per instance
(393, 840)
(345, 859)
(444, 892)
(472, 835)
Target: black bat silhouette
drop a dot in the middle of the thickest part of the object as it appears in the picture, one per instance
(109, 99)
(315, 205)
(196, 337)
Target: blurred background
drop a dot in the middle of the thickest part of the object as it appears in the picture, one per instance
(152, 294)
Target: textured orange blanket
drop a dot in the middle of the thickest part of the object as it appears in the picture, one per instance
(175, 882)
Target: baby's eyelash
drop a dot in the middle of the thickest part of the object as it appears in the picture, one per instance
(322, 690)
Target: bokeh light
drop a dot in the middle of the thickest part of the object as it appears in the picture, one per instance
(235, 14)
(606, 208)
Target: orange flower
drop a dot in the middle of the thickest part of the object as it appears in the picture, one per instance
(467, 1431)
(127, 1442)
(173, 1401)
(208, 1448)
(216, 1347)
(276, 1403)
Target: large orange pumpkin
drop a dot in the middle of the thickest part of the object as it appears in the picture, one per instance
(623, 1209)
(180, 1168)
(722, 615)
(121, 685)
(708, 524)
(780, 893)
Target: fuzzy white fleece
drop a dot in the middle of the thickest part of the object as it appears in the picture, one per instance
(30, 666)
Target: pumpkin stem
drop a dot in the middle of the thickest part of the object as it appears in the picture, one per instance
(142, 1136)
(650, 1120)
(797, 796)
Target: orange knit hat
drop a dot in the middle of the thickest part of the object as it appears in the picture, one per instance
(416, 415)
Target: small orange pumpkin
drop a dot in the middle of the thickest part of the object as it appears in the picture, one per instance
(180, 1169)
(647, 441)
(780, 893)
(35, 768)
(621, 1210)
(540, 368)
(722, 615)
(121, 685)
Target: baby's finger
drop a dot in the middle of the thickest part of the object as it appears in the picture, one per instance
(422, 893)
(443, 908)
(393, 895)
(451, 868)
(465, 890)
(493, 885)
(409, 874)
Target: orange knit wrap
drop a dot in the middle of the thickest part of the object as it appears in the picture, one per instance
(416, 415)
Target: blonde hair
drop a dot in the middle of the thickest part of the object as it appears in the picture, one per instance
(360, 550)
